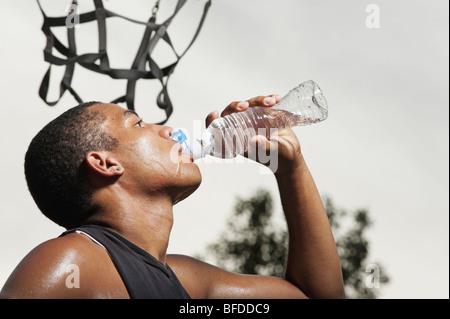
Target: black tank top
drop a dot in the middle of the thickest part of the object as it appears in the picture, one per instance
(144, 276)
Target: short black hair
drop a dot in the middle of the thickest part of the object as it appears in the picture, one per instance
(54, 164)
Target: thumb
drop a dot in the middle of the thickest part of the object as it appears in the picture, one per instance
(259, 146)
(211, 117)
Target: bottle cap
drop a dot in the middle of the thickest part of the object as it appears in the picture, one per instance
(179, 137)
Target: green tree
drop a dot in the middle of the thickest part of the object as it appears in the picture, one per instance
(252, 244)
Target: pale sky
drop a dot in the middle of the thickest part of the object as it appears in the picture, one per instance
(384, 146)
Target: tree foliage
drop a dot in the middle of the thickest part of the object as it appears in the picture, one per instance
(252, 244)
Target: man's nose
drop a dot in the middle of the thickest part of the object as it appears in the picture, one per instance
(166, 132)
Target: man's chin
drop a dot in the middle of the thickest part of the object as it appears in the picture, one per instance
(188, 185)
(185, 193)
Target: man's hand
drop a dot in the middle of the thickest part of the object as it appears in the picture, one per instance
(240, 106)
(282, 143)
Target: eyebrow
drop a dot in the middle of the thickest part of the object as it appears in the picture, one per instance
(128, 113)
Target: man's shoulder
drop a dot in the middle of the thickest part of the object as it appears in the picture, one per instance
(57, 267)
(60, 251)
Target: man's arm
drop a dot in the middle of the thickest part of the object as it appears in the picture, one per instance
(313, 263)
(204, 281)
(313, 267)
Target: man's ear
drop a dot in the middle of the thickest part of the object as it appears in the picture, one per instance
(103, 164)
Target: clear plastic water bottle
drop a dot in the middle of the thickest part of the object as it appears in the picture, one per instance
(228, 136)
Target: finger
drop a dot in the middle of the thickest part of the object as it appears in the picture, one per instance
(260, 145)
(235, 107)
(269, 100)
(260, 101)
(277, 97)
(259, 141)
(211, 117)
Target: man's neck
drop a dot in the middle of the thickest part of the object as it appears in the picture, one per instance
(146, 222)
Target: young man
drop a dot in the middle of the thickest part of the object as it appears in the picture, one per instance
(110, 179)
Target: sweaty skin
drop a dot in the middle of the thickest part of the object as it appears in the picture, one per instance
(136, 186)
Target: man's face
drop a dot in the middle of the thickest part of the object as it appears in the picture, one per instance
(150, 159)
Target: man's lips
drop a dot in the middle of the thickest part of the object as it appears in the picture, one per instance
(187, 155)
(183, 153)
